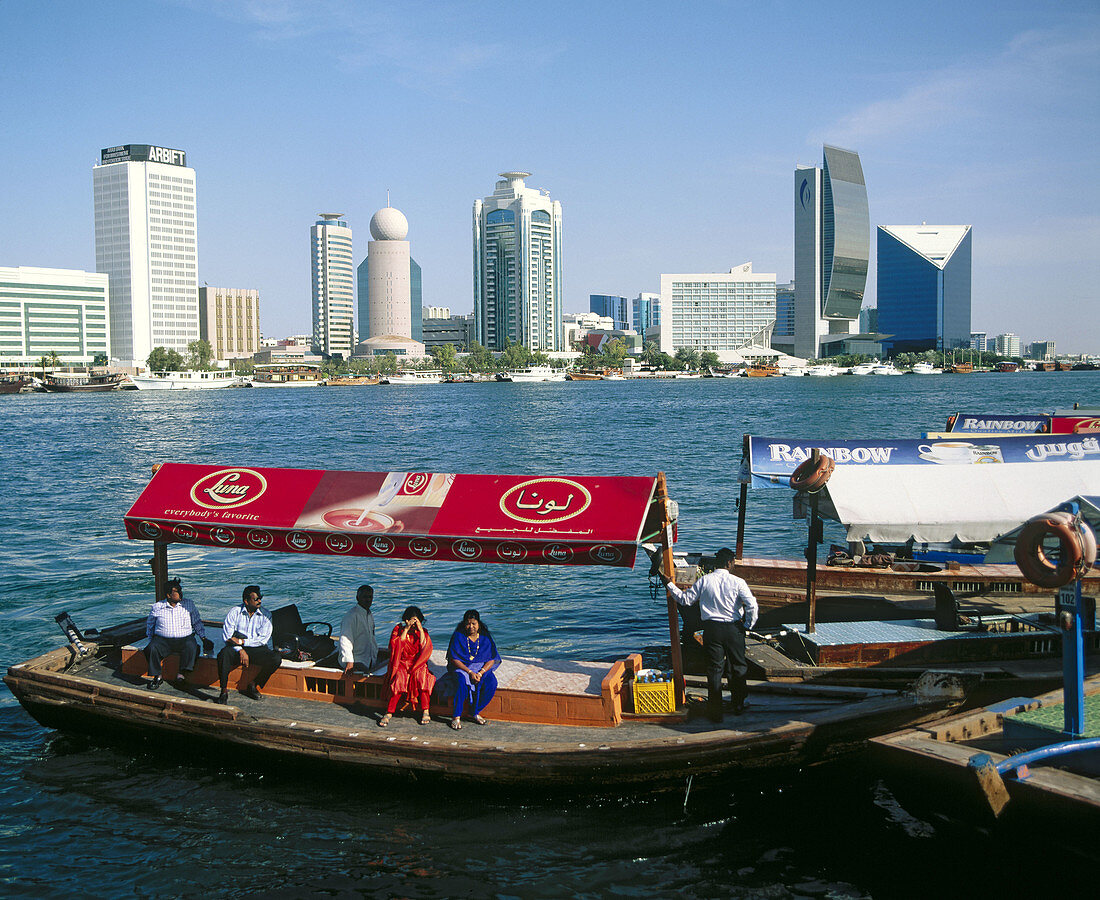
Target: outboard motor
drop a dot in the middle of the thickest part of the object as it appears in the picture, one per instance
(66, 624)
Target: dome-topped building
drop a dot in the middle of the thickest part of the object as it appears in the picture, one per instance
(389, 282)
(389, 224)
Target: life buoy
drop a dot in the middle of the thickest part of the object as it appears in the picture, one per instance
(811, 475)
(1076, 549)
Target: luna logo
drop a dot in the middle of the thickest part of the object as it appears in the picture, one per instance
(544, 500)
(415, 483)
(381, 545)
(222, 535)
(299, 540)
(259, 538)
(228, 488)
(466, 549)
(558, 553)
(423, 547)
(510, 551)
(605, 553)
(184, 532)
(150, 529)
(338, 543)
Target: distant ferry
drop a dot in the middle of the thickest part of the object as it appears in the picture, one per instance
(186, 381)
(426, 376)
(925, 368)
(287, 375)
(1007, 367)
(534, 373)
(82, 382)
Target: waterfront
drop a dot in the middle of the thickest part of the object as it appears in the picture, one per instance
(112, 820)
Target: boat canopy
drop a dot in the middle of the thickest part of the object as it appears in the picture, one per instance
(403, 515)
(1002, 549)
(894, 490)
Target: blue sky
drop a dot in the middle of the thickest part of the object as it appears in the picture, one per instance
(668, 131)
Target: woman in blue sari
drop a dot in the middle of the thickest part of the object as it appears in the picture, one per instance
(471, 658)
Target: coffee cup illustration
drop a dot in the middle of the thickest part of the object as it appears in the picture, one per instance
(947, 451)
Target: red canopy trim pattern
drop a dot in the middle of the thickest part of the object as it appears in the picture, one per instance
(549, 520)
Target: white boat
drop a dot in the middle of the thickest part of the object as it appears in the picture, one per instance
(867, 368)
(412, 376)
(287, 375)
(534, 373)
(824, 370)
(186, 381)
(887, 369)
(926, 368)
(795, 372)
(688, 375)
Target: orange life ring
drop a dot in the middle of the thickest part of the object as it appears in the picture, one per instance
(1076, 549)
(811, 475)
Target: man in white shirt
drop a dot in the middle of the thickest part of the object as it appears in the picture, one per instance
(728, 610)
(358, 647)
(247, 631)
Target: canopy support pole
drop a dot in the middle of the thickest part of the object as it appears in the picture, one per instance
(811, 557)
(741, 505)
(669, 567)
(159, 562)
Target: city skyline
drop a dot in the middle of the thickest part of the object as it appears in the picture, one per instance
(974, 115)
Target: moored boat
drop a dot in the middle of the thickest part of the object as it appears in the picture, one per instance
(762, 370)
(925, 368)
(1006, 366)
(186, 380)
(532, 374)
(414, 376)
(286, 375)
(13, 383)
(351, 380)
(83, 382)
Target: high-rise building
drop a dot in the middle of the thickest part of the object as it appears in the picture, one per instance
(721, 312)
(1044, 350)
(832, 239)
(229, 320)
(1008, 345)
(393, 298)
(333, 286)
(647, 312)
(146, 243)
(979, 341)
(616, 308)
(924, 287)
(52, 311)
(868, 319)
(518, 267)
(784, 314)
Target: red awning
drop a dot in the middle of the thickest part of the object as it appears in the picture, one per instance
(403, 515)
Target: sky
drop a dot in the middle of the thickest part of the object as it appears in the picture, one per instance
(669, 132)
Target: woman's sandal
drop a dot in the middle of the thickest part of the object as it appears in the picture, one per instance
(426, 719)
(481, 720)
(385, 720)
(456, 723)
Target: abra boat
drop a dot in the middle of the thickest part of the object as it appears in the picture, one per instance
(533, 373)
(286, 375)
(13, 383)
(82, 382)
(186, 381)
(414, 376)
(557, 725)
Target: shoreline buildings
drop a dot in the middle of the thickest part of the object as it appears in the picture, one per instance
(229, 320)
(923, 274)
(518, 267)
(48, 311)
(146, 243)
(615, 308)
(333, 286)
(726, 312)
(832, 235)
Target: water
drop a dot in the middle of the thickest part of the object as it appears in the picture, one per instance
(106, 820)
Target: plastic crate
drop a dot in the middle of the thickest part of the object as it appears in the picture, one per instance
(652, 698)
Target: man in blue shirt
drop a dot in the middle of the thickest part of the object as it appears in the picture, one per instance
(247, 631)
(173, 626)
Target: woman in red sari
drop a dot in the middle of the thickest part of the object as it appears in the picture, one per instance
(408, 675)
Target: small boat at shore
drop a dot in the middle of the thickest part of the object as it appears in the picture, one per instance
(925, 368)
(351, 380)
(83, 382)
(557, 725)
(414, 376)
(286, 375)
(532, 374)
(14, 383)
(186, 380)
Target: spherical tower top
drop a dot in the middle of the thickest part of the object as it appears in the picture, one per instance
(389, 224)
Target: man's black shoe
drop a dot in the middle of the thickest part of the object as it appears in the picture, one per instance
(155, 683)
(741, 708)
(253, 692)
(223, 698)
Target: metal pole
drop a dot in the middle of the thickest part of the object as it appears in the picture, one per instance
(669, 567)
(1073, 660)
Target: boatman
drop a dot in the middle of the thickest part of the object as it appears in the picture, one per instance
(358, 646)
(247, 631)
(173, 626)
(728, 609)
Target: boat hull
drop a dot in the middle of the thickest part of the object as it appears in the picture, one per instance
(184, 381)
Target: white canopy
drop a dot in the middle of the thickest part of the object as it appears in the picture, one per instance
(935, 504)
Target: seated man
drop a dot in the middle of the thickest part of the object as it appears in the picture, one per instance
(173, 626)
(358, 646)
(247, 631)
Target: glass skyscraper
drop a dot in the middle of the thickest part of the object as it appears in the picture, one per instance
(517, 267)
(924, 287)
(615, 308)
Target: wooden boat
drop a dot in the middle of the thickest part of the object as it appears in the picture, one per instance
(1063, 367)
(351, 380)
(1043, 367)
(584, 376)
(959, 368)
(938, 768)
(1006, 366)
(13, 383)
(286, 375)
(559, 725)
(83, 382)
(761, 371)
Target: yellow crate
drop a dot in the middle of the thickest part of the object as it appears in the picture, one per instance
(653, 698)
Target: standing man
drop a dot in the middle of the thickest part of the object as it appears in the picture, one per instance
(247, 631)
(728, 610)
(173, 626)
(358, 647)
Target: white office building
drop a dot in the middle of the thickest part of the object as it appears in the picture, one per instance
(1008, 345)
(725, 312)
(518, 267)
(44, 312)
(333, 279)
(145, 241)
(229, 320)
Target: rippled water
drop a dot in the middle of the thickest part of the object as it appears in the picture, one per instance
(78, 816)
